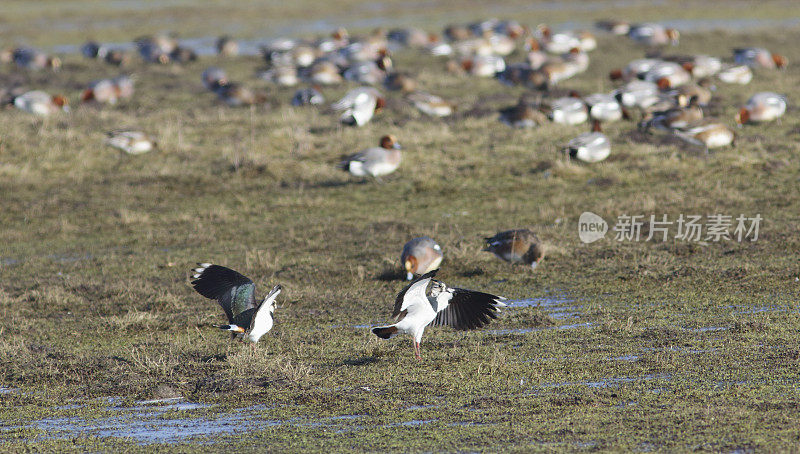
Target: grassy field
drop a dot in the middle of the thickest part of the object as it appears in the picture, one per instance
(624, 346)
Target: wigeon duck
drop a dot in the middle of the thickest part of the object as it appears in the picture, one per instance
(131, 142)
(369, 72)
(699, 66)
(502, 45)
(667, 75)
(634, 69)
(182, 55)
(702, 90)
(247, 319)
(484, 66)
(757, 57)
(307, 96)
(420, 256)
(511, 28)
(359, 105)
(227, 46)
(568, 110)
(409, 37)
(603, 107)
(400, 82)
(40, 103)
(650, 34)
(762, 107)
(325, 73)
(458, 32)
(109, 91)
(708, 133)
(675, 117)
(461, 309)
(591, 146)
(113, 56)
(214, 77)
(437, 47)
(431, 105)
(375, 162)
(523, 115)
(156, 49)
(303, 56)
(741, 75)
(637, 93)
(563, 42)
(516, 246)
(235, 95)
(614, 26)
(284, 75)
(34, 59)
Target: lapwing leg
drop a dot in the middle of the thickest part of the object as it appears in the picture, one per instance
(416, 350)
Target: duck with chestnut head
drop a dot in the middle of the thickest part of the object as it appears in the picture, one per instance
(376, 161)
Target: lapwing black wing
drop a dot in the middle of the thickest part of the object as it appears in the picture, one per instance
(416, 290)
(235, 293)
(467, 309)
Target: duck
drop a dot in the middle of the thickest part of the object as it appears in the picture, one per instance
(213, 78)
(568, 110)
(516, 246)
(603, 107)
(325, 72)
(738, 74)
(431, 105)
(376, 161)
(762, 107)
(614, 26)
(109, 91)
(415, 309)
(708, 133)
(131, 142)
(702, 89)
(667, 74)
(591, 146)
(652, 34)
(369, 72)
(283, 75)
(308, 96)
(675, 117)
(757, 57)
(235, 293)
(34, 59)
(635, 69)
(400, 82)
(156, 49)
(227, 46)
(523, 115)
(235, 95)
(483, 66)
(359, 105)
(420, 255)
(40, 103)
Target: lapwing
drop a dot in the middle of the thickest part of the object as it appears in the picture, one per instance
(415, 309)
(247, 319)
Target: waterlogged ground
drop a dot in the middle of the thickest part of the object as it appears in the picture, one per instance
(622, 346)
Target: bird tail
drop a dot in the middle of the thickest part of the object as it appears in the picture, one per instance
(231, 328)
(385, 332)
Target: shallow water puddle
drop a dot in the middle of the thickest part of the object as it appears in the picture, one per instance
(608, 382)
(557, 307)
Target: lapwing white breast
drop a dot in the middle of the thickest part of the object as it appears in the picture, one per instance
(415, 309)
(247, 319)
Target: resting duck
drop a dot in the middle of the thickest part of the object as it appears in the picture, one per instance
(675, 117)
(591, 146)
(762, 107)
(431, 105)
(375, 162)
(236, 95)
(40, 103)
(359, 105)
(516, 246)
(757, 57)
(741, 75)
(131, 142)
(227, 46)
(708, 133)
(650, 34)
(420, 256)
(308, 96)
(603, 107)
(523, 115)
(569, 110)
(109, 91)
(34, 59)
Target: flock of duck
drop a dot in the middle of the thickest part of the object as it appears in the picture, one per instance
(661, 91)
